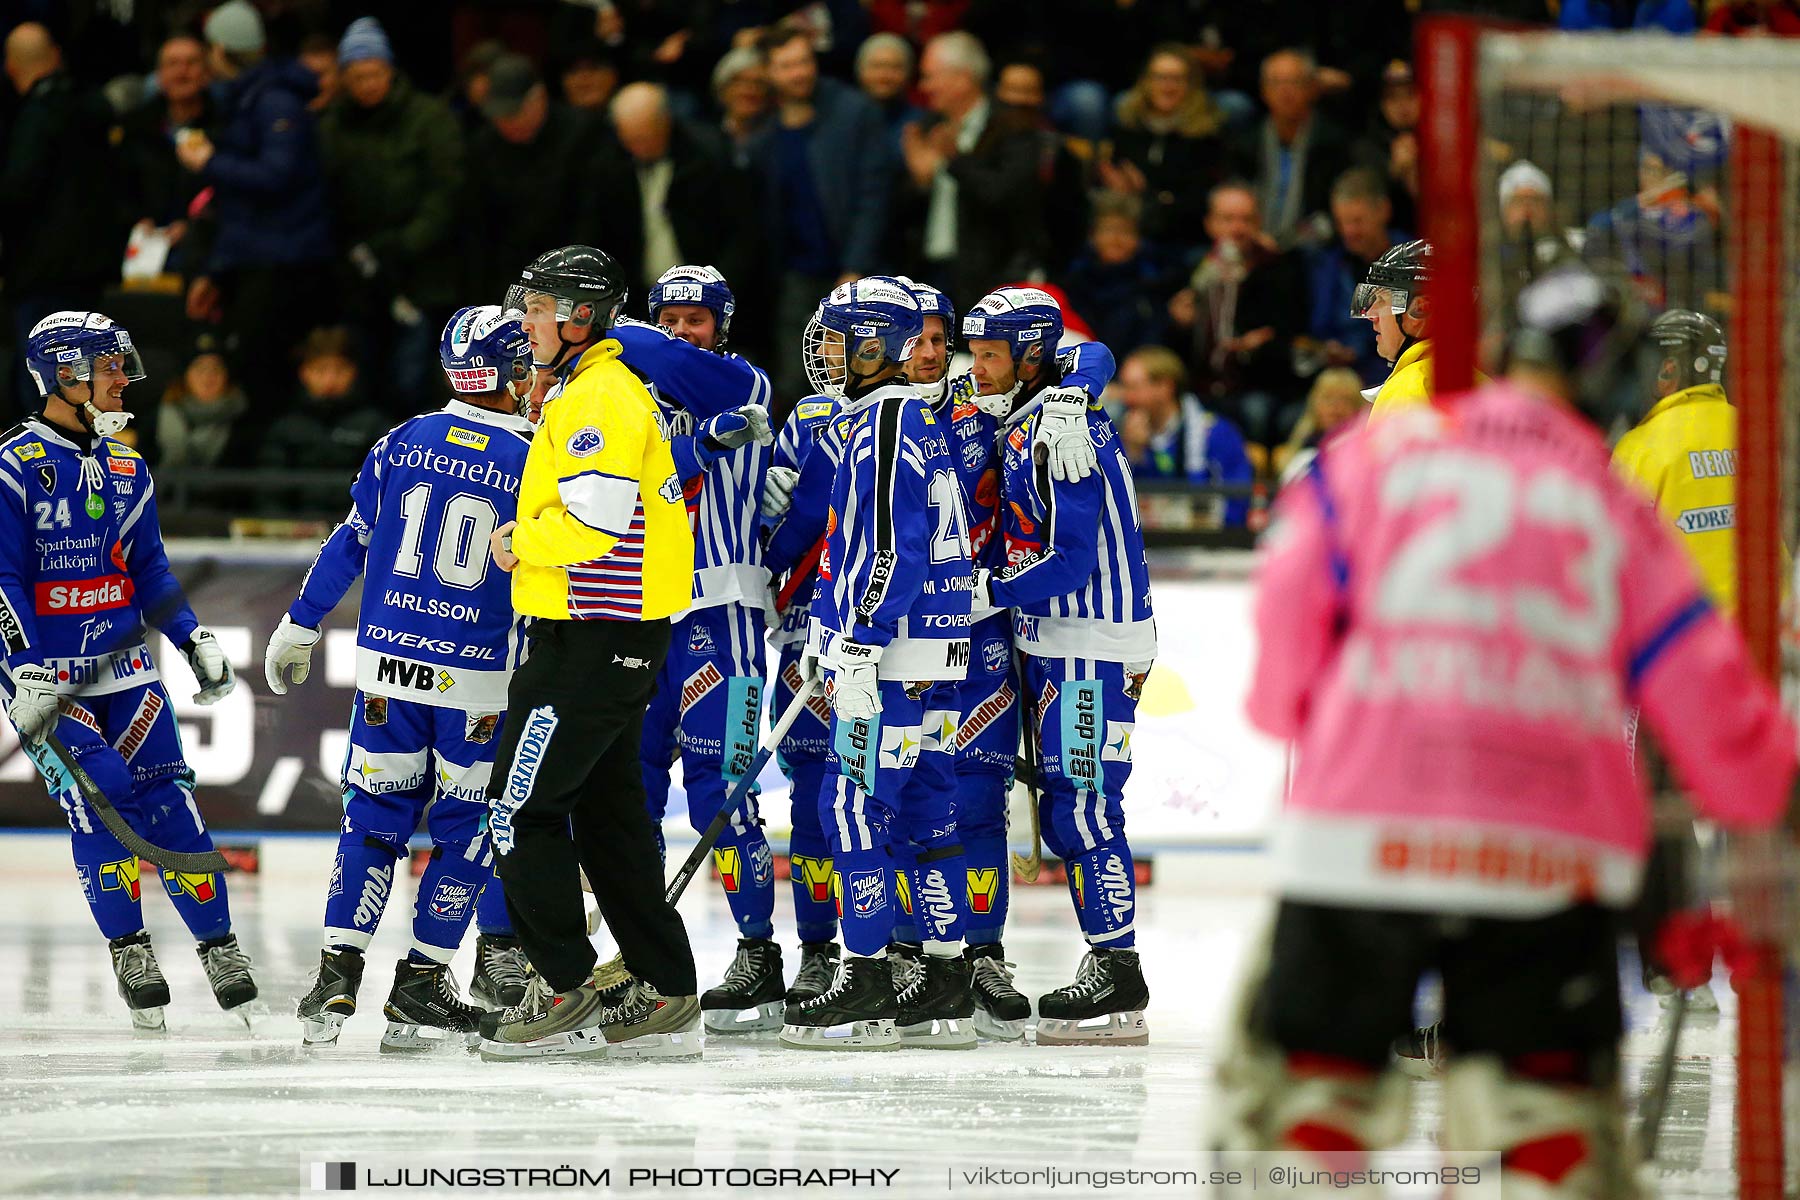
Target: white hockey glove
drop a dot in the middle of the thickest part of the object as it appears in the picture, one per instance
(33, 710)
(290, 649)
(1062, 436)
(854, 688)
(809, 666)
(981, 592)
(739, 427)
(778, 491)
(206, 658)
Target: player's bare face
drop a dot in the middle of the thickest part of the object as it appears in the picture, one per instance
(539, 320)
(931, 354)
(692, 323)
(993, 366)
(106, 375)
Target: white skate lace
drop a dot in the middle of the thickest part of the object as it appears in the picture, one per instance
(538, 995)
(1090, 980)
(816, 972)
(1431, 1042)
(994, 976)
(136, 965)
(225, 964)
(506, 966)
(638, 1002)
(909, 976)
(745, 968)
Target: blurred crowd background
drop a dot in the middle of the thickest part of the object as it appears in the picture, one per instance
(285, 199)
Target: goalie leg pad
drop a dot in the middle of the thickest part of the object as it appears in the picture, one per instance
(1557, 1140)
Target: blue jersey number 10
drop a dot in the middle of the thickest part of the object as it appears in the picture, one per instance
(460, 558)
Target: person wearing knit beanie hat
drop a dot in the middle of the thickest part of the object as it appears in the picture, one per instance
(365, 39)
(236, 28)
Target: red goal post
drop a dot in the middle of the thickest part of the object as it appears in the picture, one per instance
(1674, 160)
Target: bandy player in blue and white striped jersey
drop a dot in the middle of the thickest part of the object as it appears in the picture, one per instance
(436, 644)
(1079, 589)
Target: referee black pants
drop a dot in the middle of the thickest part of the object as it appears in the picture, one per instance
(572, 795)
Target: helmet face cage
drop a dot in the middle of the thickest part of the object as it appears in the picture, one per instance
(822, 352)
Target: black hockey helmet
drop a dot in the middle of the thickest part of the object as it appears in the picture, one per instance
(1588, 326)
(1401, 272)
(589, 289)
(1692, 347)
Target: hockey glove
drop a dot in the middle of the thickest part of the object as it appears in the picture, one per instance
(1062, 439)
(206, 658)
(740, 427)
(290, 649)
(33, 709)
(854, 688)
(778, 491)
(981, 591)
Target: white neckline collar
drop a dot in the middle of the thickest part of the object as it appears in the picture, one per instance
(474, 412)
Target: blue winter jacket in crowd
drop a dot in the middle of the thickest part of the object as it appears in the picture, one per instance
(268, 186)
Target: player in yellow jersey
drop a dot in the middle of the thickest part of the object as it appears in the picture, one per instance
(1392, 297)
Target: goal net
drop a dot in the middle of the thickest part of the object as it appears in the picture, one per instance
(1673, 161)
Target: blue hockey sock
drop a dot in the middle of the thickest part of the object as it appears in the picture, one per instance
(990, 879)
(360, 882)
(809, 870)
(1103, 885)
(491, 917)
(747, 873)
(862, 884)
(200, 899)
(939, 876)
(109, 880)
(446, 901)
(906, 889)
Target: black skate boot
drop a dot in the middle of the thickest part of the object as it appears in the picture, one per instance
(500, 971)
(1105, 1005)
(906, 960)
(857, 1012)
(332, 1001)
(141, 982)
(1001, 1010)
(937, 1011)
(424, 1011)
(818, 967)
(228, 970)
(751, 998)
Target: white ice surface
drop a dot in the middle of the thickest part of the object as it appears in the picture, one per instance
(87, 1107)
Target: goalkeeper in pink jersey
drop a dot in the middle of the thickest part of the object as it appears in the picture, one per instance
(1456, 610)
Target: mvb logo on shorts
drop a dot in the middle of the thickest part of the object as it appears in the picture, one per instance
(534, 744)
(728, 863)
(121, 876)
(200, 888)
(814, 874)
(984, 886)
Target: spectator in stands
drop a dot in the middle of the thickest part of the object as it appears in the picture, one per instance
(884, 71)
(158, 191)
(271, 250)
(1167, 147)
(1361, 217)
(60, 236)
(1117, 282)
(1020, 86)
(319, 54)
(741, 89)
(588, 76)
(980, 168)
(1293, 154)
(663, 207)
(328, 426)
(1675, 16)
(1739, 18)
(394, 166)
(535, 179)
(1168, 434)
(1665, 236)
(1236, 321)
(1335, 401)
(471, 89)
(1390, 144)
(826, 174)
(198, 423)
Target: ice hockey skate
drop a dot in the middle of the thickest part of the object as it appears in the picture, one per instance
(818, 967)
(141, 982)
(859, 1011)
(424, 1011)
(1104, 1006)
(752, 998)
(501, 971)
(332, 1000)
(937, 1010)
(904, 963)
(546, 1024)
(1001, 1010)
(228, 971)
(646, 1024)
